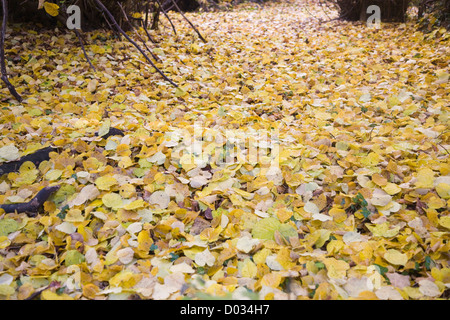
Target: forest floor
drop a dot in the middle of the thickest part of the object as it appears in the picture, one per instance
(298, 159)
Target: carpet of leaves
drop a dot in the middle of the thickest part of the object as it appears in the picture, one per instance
(357, 208)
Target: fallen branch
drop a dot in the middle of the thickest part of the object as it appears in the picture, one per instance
(120, 30)
(112, 132)
(4, 76)
(31, 207)
(36, 157)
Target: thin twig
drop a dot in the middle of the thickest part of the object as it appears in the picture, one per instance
(114, 23)
(136, 33)
(193, 27)
(84, 51)
(62, 17)
(443, 148)
(4, 76)
(321, 5)
(167, 16)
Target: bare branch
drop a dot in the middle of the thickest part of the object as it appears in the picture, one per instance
(119, 29)
(193, 27)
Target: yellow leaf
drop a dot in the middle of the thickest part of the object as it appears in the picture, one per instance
(284, 214)
(54, 174)
(271, 280)
(435, 202)
(261, 255)
(443, 190)
(265, 228)
(371, 160)
(445, 221)
(134, 205)
(51, 8)
(125, 279)
(179, 92)
(144, 241)
(248, 269)
(74, 215)
(112, 200)
(283, 257)
(395, 257)
(125, 162)
(90, 290)
(382, 230)
(4, 242)
(336, 268)
(245, 90)
(105, 182)
(50, 295)
(392, 188)
(425, 178)
(104, 128)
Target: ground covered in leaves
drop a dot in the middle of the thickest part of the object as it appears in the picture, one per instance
(355, 205)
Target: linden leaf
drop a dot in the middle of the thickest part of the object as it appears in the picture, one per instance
(380, 198)
(73, 257)
(50, 295)
(391, 188)
(429, 288)
(425, 178)
(311, 207)
(383, 230)
(125, 255)
(445, 221)
(8, 226)
(104, 128)
(112, 200)
(180, 92)
(204, 258)
(9, 153)
(443, 190)
(134, 205)
(160, 198)
(265, 228)
(54, 174)
(248, 269)
(286, 230)
(395, 257)
(246, 244)
(51, 8)
(89, 192)
(66, 227)
(372, 159)
(336, 268)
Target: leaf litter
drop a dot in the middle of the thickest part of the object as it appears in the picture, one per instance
(357, 207)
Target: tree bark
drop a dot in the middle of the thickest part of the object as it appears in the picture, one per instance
(4, 76)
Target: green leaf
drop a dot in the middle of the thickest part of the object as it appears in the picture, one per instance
(8, 226)
(63, 212)
(73, 257)
(104, 128)
(265, 228)
(287, 231)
